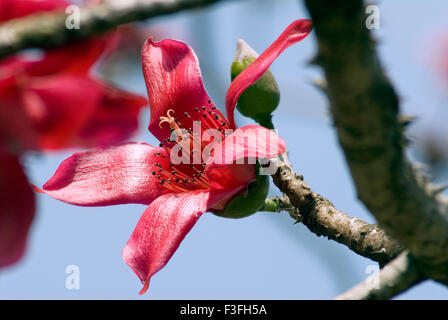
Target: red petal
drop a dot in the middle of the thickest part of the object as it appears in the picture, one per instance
(77, 57)
(16, 210)
(116, 175)
(10, 68)
(14, 71)
(66, 111)
(60, 106)
(174, 81)
(230, 176)
(232, 162)
(295, 32)
(248, 142)
(163, 226)
(114, 120)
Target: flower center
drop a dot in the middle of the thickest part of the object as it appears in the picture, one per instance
(181, 179)
(186, 134)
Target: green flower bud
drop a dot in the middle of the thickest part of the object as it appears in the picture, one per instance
(248, 203)
(260, 99)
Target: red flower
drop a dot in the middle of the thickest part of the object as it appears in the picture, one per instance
(177, 194)
(50, 101)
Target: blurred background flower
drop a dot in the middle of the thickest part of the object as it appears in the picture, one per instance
(49, 100)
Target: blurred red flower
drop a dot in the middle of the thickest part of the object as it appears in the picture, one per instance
(50, 101)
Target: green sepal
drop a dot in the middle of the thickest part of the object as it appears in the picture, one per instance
(260, 99)
(249, 202)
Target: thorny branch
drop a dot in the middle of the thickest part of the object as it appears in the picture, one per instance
(323, 219)
(365, 107)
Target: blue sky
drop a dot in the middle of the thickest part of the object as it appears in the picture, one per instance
(264, 256)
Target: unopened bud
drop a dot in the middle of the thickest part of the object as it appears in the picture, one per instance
(260, 99)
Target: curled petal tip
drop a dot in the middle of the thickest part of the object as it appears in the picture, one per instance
(304, 25)
(153, 43)
(145, 287)
(147, 42)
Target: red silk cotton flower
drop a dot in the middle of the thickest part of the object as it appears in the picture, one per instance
(50, 100)
(176, 188)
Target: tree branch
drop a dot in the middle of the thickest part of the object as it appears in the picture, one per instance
(396, 277)
(364, 107)
(47, 30)
(323, 219)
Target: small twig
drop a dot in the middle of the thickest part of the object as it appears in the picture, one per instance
(47, 30)
(323, 219)
(396, 277)
(279, 204)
